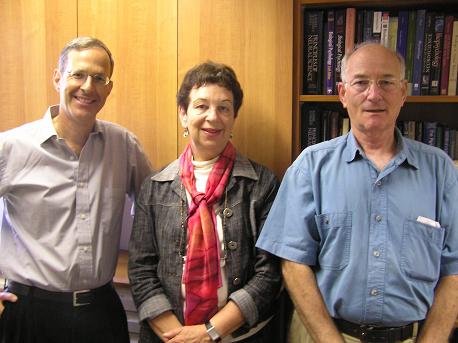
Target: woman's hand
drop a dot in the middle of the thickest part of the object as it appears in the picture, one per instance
(188, 334)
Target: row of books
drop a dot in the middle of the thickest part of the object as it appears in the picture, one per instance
(428, 41)
(318, 125)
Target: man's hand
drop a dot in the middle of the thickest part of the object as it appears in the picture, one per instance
(6, 296)
(188, 334)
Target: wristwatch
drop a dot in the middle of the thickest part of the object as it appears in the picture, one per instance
(214, 335)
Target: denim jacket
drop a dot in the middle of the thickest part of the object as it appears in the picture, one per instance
(156, 267)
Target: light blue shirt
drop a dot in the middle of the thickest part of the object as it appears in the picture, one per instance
(375, 261)
(62, 215)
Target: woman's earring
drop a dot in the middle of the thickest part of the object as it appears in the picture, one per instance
(185, 132)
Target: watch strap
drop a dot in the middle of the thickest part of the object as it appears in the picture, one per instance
(211, 331)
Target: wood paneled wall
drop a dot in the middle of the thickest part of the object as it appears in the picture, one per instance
(32, 34)
(154, 43)
(255, 38)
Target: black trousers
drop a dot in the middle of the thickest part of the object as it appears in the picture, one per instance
(34, 320)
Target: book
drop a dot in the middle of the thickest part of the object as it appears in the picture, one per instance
(452, 74)
(452, 144)
(330, 44)
(339, 49)
(310, 126)
(429, 133)
(446, 140)
(392, 32)
(376, 26)
(448, 30)
(419, 131)
(427, 53)
(359, 27)
(325, 125)
(367, 26)
(334, 124)
(401, 37)
(313, 50)
(410, 51)
(350, 17)
(418, 51)
(385, 29)
(436, 55)
(345, 125)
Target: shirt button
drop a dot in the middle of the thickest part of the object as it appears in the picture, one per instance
(232, 245)
(236, 281)
(81, 184)
(227, 212)
(72, 158)
(378, 218)
(374, 292)
(376, 253)
(379, 183)
(82, 216)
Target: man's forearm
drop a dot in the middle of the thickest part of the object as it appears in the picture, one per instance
(443, 313)
(303, 289)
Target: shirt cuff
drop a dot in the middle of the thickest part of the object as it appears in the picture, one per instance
(246, 305)
(153, 307)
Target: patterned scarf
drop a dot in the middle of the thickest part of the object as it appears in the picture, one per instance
(202, 274)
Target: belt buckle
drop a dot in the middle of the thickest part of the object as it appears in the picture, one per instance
(75, 297)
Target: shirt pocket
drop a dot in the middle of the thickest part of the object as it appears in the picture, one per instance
(335, 234)
(421, 250)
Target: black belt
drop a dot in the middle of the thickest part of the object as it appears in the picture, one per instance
(376, 334)
(76, 298)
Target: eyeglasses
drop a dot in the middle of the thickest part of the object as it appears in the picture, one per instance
(80, 77)
(386, 85)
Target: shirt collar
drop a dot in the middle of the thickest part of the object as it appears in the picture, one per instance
(352, 150)
(242, 167)
(47, 129)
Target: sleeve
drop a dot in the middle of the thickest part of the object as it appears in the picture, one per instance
(139, 164)
(290, 230)
(449, 220)
(257, 297)
(147, 291)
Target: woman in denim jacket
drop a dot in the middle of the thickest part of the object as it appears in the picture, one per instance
(195, 273)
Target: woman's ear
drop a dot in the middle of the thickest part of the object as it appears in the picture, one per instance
(183, 116)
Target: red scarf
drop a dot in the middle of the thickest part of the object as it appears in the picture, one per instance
(202, 274)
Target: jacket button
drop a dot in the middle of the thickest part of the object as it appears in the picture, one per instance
(232, 245)
(236, 281)
(227, 212)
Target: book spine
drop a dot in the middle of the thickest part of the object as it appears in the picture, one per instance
(377, 26)
(330, 44)
(334, 124)
(325, 125)
(313, 50)
(427, 52)
(350, 18)
(446, 141)
(339, 49)
(419, 131)
(392, 33)
(452, 143)
(436, 56)
(410, 51)
(385, 29)
(401, 41)
(310, 124)
(359, 26)
(452, 75)
(448, 29)
(368, 20)
(429, 133)
(418, 52)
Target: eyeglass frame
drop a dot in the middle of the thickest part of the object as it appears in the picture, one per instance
(85, 75)
(392, 81)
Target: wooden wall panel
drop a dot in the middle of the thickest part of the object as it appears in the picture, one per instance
(32, 35)
(255, 38)
(142, 35)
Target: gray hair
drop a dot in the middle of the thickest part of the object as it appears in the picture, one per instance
(81, 43)
(347, 56)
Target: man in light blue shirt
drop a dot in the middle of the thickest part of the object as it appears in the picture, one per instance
(367, 223)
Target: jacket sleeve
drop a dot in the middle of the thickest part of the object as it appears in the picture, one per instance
(148, 293)
(257, 297)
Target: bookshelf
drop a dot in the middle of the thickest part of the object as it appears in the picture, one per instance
(416, 107)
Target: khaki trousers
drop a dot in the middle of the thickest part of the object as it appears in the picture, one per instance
(299, 334)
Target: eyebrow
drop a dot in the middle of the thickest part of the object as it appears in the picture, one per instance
(365, 76)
